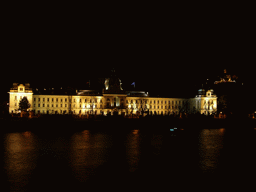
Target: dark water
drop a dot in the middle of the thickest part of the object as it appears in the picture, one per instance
(129, 160)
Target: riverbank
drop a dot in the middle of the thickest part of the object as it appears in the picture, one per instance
(117, 123)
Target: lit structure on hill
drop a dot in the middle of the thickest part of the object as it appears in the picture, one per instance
(225, 79)
(111, 100)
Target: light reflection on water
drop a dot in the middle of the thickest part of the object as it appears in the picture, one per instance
(210, 145)
(133, 150)
(88, 151)
(19, 158)
(142, 153)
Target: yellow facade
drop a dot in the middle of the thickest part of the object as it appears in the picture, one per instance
(111, 103)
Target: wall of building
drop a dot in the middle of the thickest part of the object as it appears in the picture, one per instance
(16, 94)
(108, 103)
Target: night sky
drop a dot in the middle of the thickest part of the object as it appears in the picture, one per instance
(156, 52)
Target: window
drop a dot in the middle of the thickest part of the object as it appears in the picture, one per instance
(52, 105)
(131, 101)
(65, 99)
(47, 99)
(43, 99)
(21, 89)
(80, 105)
(47, 105)
(85, 100)
(52, 99)
(39, 105)
(38, 99)
(80, 101)
(161, 102)
(157, 101)
(60, 105)
(74, 100)
(34, 99)
(65, 105)
(56, 99)
(60, 100)
(56, 105)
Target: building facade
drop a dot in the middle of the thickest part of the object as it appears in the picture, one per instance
(111, 100)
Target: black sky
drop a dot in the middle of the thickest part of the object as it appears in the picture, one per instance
(155, 51)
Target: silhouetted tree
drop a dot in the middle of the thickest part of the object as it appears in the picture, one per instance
(24, 104)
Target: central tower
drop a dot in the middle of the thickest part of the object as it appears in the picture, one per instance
(113, 83)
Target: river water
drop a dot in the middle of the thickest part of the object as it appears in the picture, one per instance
(133, 159)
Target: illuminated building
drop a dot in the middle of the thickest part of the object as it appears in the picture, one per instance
(225, 79)
(111, 100)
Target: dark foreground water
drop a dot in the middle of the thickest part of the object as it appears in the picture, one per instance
(137, 160)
